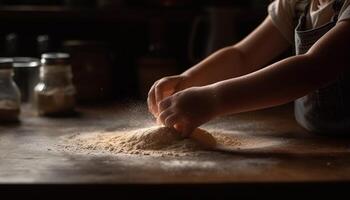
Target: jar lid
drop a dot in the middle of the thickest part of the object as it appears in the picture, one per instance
(55, 58)
(25, 62)
(6, 63)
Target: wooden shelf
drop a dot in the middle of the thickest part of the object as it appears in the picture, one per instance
(47, 13)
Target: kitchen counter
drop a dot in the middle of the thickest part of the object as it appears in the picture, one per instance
(30, 154)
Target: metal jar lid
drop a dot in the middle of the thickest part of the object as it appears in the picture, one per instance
(55, 58)
(25, 62)
(6, 63)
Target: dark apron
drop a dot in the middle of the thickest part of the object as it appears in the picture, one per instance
(325, 110)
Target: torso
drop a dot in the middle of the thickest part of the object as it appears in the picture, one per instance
(324, 110)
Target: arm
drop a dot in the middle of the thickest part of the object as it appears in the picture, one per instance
(291, 78)
(250, 54)
(276, 84)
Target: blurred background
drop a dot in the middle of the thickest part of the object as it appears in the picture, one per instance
(120, 47)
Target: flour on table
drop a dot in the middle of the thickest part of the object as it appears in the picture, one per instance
(154, 141)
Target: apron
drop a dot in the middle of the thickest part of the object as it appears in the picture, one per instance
(325, 110)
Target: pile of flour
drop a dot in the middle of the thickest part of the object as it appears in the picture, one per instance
(154, 141)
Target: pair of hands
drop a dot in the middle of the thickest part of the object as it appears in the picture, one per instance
(176, 104)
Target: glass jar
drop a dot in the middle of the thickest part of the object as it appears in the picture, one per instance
(10, 97)
(26, 76)
(55, 93)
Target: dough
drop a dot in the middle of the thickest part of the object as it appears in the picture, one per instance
(159, 137)
(157, 141)
(205, 139)
(153, 138)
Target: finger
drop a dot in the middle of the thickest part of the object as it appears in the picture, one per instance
(163, 115)
(159, 122)
(164, 88)
(178, 127)
(171, 120)
(183, 128)
(163, 105)
(159, 93)
(150, 106)
(151, 100)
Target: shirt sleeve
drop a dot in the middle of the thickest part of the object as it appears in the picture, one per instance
(282, 14)
(345, 13)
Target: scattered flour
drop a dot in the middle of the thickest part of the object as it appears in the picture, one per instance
(154, 141)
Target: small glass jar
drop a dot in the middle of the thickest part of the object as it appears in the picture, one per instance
(54, 94)
(26, 76)
(10, 97)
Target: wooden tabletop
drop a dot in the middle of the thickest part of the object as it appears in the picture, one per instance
(28, 152)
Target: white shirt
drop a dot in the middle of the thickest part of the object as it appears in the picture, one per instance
(283, 13)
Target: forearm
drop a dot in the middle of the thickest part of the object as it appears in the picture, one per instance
(224, 64)
(250, 54)
(276, 84)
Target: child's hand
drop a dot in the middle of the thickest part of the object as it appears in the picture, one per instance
(188, 109)
(162, 89)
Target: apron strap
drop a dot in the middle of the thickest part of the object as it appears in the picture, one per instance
(300, 7)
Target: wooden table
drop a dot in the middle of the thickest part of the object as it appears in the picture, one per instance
(29, 156)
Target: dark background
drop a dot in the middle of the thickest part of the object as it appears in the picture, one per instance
(120, 47)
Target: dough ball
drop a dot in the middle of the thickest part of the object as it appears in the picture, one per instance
(204, 138)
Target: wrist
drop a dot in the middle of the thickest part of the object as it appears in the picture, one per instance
(216, 99)
(186, 82)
